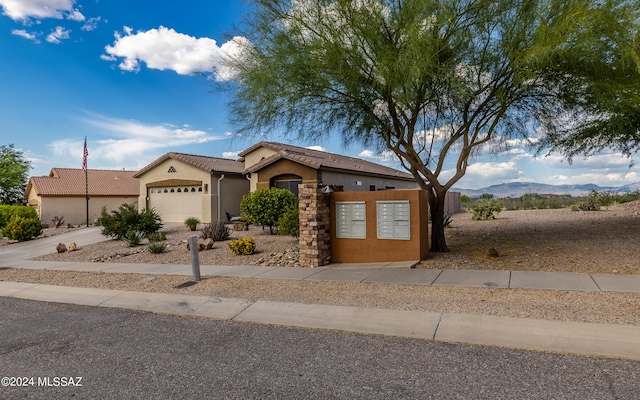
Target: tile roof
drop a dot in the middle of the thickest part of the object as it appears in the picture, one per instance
(72, 182)
(321, 160)
(205, 163)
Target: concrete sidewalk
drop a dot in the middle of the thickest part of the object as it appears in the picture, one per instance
(395, 273)
(600, 340)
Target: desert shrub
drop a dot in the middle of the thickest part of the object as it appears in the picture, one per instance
(289, 223)
(266, 206)
(57, 221)
(126, 219)
(8, 211)
(590, 203)
(192, 223)
(243, 246)
(21, 229)
(484, 210)
(628, 197)
(156, 237)
(216, 230)
(133, 238)
(157, 247)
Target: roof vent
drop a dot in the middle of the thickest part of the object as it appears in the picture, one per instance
(172, 169)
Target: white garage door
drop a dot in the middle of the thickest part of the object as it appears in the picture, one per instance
(176, 203)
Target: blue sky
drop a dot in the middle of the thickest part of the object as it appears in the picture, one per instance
(124, 74)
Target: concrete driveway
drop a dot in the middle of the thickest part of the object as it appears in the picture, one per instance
(43, 246)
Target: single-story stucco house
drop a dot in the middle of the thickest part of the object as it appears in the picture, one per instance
(270, 164)
(178, 186)
(62, 194)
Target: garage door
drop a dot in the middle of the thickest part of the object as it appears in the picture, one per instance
(176, 203)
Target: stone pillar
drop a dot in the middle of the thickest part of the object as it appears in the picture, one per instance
(315, 225)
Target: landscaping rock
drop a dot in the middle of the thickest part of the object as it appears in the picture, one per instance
(61, 248)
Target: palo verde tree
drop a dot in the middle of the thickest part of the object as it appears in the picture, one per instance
(437, 81)
(13, 175)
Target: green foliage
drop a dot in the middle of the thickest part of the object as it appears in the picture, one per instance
(127, 218)
(7, 211)
(133, 237)
(289, 223)
(192, 223)
(534, 201)
(21, 229)
(13, 179)
(243, 246)
(379, 71)
(628, 197)
(485, 210)
(157, 247)
(590, 203)
(156, 237)
(216, 230)
(266, 206)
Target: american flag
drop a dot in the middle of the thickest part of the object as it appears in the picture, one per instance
(84, 158)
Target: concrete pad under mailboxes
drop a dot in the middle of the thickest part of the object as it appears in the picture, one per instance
(210, 307)
(603, 340)
(405, 276)
(415, 324)
(552, 281)
(67, 294)
(344, 275)
(10, 288)
(291, 273)
(476, 278)
(617, 283)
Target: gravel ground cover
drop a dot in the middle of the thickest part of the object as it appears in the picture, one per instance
(535, 240)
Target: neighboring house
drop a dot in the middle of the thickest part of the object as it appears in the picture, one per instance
(63, 193)
(279, 165)
(179, 186)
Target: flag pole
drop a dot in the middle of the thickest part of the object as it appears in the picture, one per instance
(86, 176)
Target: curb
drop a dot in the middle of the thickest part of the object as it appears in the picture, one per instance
(586, 339)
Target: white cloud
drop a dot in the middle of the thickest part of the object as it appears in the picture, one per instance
(601, 179)
(233, 155)
(58, 34)
(23, 10)
(482, 174)
(130, 143)
(595, 162)
(318, 148)
(166, 49)
(23, 33)
(91, 24)
(386, 156)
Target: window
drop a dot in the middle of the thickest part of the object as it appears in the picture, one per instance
(193, 189)
(372, 188)
(290, 184)
(153, 190)
(357, 183)
(351, 219)
(165, 190)
(172, 190)
(200, 189)
(179, 190)
(393, 219)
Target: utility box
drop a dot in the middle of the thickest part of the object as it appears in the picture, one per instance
(382, 226)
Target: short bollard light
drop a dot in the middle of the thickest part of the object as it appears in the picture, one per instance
(195, 263)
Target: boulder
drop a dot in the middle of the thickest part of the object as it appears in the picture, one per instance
(72, 247)
(61, 248)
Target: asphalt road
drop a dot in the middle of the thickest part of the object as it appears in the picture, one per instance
(124, 354)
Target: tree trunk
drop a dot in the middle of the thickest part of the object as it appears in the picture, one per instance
(436, 202)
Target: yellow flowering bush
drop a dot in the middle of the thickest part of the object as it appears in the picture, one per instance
(243, 246)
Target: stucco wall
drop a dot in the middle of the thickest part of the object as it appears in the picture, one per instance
(372, 249)
(285, 167)
(74, 209)
(346, 180)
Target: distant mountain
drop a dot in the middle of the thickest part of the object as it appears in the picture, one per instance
(517, 189)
